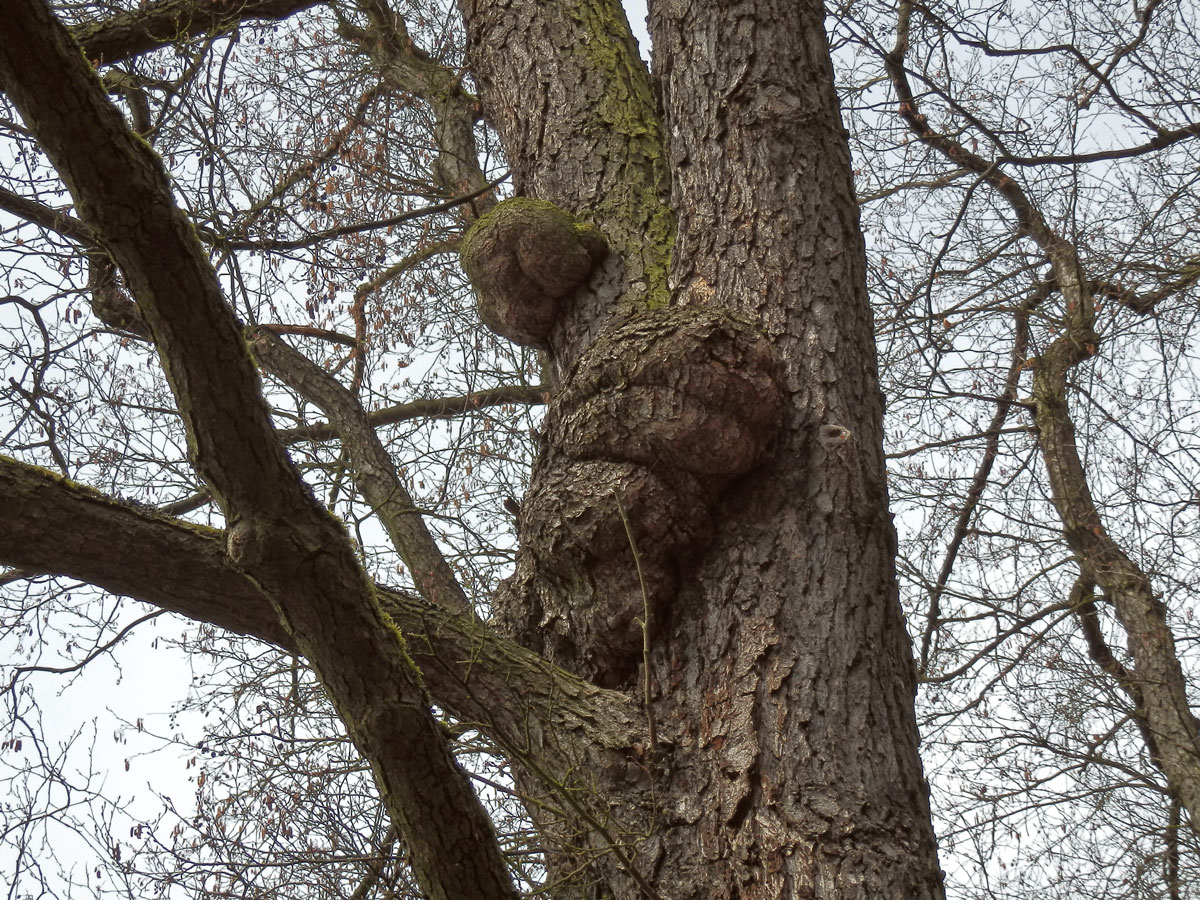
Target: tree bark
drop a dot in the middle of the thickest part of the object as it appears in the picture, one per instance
(781, 674)
(280, 536)
(165, 22)
(707, 525)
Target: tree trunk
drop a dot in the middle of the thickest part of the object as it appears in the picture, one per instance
(780, 671)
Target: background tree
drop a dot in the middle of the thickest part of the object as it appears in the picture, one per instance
(734, 751)
(1034, 271)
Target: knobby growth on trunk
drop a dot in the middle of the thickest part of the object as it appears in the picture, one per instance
(701, 334)
(647, 641)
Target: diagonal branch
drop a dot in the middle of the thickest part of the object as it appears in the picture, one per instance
(406, 67)
(49, 524)
(358, 227)
(1157, 674)
(544, 718)
(166, 22)
(280, 535)
(56, 220)
(979, 483)
(429, 408)
(373, 470)
(1083, 602)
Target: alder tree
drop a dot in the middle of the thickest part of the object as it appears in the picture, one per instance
(505, 415)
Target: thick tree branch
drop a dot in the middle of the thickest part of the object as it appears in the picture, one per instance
(1083, 604)
(280, 535)
(170, 21)
(548, 720)
(1187, 274)
(596, 148)
(179, 566)
(408, 68)
(56, 220)
(1157, 673)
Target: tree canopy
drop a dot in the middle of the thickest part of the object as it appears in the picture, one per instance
(508, 417)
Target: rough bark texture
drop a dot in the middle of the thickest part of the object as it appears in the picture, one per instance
(524, 258)
(804, 733)
(1156, 681)
(781, 673)
(533, 709)
(658, 416)
(564, 86)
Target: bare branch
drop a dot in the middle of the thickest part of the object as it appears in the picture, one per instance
(407, 67)
(358, 227)
(279, 534)
(429, 408)
(168, 21)
(56, 220)
(374, 472)
(549, 720)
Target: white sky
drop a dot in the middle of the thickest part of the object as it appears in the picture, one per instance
(636, 10)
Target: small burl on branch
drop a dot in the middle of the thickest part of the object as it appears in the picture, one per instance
(524, 258)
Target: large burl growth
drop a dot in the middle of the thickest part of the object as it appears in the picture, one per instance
(656, 417)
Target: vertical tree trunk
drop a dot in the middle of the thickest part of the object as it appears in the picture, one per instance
(804, 732)
(781, 673)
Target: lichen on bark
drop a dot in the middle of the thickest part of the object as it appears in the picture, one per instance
(524, 258)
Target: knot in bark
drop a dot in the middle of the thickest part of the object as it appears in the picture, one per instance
(524, 258)
(584, 557)
(662, 411)
(693, 389)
